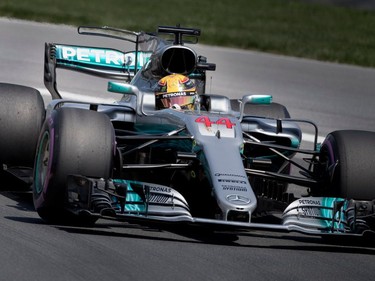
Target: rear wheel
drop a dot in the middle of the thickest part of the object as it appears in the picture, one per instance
(72, 142)
(21, 118)
(350, 159)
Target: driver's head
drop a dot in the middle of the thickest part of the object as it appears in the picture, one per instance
(175, 91)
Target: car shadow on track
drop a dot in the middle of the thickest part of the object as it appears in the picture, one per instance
(198, 236)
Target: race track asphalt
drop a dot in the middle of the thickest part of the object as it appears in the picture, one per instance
(334, 96)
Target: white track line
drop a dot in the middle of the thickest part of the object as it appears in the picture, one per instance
(310, 138)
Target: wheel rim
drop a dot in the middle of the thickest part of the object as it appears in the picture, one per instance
(42, 163)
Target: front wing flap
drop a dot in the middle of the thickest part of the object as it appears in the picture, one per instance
(121, 198)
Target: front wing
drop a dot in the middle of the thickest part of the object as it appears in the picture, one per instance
(138, 201)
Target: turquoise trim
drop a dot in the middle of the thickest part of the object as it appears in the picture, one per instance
(261, 99)
(99, 58)
(294, 142)
(39, 180)
(133, 202)
(328, 215)
(119, 87)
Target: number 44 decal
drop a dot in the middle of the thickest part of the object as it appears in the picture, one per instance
(221, 121)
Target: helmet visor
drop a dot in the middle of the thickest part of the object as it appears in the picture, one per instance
(185, 100)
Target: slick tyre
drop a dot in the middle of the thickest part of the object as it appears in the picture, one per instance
(350, 159)
(72, 142)
(272, 110)
(21, 118)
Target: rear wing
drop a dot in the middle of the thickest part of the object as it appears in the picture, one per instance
(114, 64)
(103, 62)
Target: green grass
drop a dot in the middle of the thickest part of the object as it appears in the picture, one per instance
(287, 27)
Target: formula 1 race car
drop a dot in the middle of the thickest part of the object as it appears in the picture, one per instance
(181, 155)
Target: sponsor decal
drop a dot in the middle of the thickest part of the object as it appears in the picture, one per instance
(92, 55)
(159, 199)
(229, 175)
(159, 188)
(309, 202)
(310, 212)
(236, 183)
(171, 95)
(232, 181)
(234, 188)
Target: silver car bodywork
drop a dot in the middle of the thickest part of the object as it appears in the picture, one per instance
(228, 154)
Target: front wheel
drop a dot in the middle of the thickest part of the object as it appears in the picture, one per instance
(72, 142)
(349, 156)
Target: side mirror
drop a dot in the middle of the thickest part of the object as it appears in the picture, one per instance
(253, 99)
(128, 89)
(122, 88)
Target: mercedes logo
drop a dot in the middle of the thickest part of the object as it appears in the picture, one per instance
(238, 199)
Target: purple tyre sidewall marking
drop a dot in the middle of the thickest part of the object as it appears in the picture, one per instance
(39, 202)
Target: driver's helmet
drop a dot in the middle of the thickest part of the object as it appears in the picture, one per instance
(175, 91)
